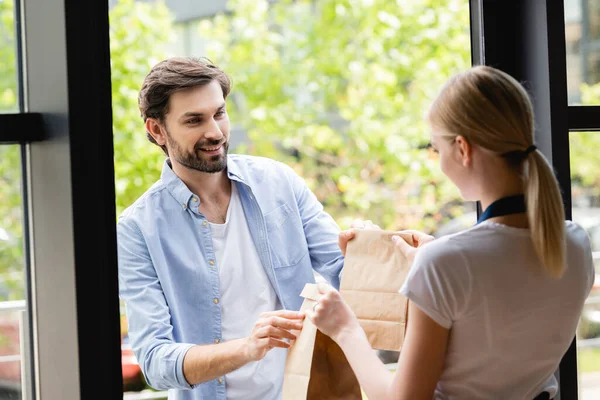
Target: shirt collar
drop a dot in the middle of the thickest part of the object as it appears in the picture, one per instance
(181, 192)
(233, 170)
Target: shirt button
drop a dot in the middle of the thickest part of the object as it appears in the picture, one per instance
(216, 301)
(211, 262)
(184, 206)
(220, 380)
(204, 223)
(194, 199)
(217, 340)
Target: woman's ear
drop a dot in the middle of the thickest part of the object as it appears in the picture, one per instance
(154, 127)
(464, 150)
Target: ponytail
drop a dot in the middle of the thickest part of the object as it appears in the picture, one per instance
(545, 213)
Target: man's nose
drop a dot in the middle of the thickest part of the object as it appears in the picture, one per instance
(213, 131)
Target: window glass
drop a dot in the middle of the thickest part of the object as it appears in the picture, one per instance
(585, 181)
(582, 32)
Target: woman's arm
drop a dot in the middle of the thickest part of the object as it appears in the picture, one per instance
(422, 358)
(421, 361)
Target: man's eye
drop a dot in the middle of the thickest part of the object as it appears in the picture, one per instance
(193, 121)
(220, 113)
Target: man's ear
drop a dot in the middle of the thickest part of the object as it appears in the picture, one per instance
(154, 127)
(464, 150)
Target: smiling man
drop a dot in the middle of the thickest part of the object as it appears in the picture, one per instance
(213, 257)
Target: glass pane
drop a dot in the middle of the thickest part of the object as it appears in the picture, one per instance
(8, 77)
(585, 180)
(13, 314)
(338, 90)
(582, 24)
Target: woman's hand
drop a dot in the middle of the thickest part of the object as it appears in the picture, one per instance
(331, 315)
(419, 240)
(345, 236)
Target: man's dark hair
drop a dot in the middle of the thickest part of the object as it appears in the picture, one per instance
(172, 75)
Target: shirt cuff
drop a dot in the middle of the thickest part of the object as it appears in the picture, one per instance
(182, 350)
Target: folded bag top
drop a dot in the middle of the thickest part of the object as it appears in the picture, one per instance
(374, 271)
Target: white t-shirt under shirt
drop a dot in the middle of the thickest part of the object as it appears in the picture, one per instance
(510, 323)
(246, 292)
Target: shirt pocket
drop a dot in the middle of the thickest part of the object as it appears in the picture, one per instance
(286, 236)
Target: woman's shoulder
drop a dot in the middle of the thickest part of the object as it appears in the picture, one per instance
(463, 240)
(575, 232)
(578, 241)
(457, 248)
(447, 250)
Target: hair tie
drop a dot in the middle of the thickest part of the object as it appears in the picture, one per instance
(529, 150)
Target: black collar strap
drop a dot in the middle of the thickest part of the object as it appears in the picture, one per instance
(504, 206)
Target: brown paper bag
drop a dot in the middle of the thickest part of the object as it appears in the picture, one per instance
(316, 368)
(374, 271)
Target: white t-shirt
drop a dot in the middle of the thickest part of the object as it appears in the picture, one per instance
(246, 292)
(510, 324)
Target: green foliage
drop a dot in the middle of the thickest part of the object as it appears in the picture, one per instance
(11, 225)
(8, 77)
(139, 35)
(588, 360)
(339, 89)
(587, 328)
(584, 154)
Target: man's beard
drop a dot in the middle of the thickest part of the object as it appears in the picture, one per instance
(196, 160)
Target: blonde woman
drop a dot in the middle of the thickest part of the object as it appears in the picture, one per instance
(494, 308)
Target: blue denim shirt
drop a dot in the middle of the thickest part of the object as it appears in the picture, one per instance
(169, 280)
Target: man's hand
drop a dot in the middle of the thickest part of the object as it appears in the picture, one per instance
(419, 240)
(270, 331)
(345, 236)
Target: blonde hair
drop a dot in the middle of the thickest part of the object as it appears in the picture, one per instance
(492, 110)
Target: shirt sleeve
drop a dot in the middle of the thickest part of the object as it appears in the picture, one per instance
(148, 316)
(320, 230)
(439, 282)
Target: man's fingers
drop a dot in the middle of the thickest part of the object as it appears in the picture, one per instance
(288, 314)
(283, 323)
(343, 239)
(345, 236)
(278, 343)
(349, 234)
(270, 331)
